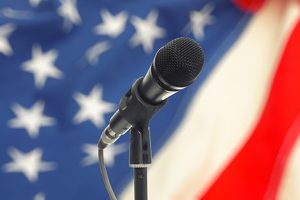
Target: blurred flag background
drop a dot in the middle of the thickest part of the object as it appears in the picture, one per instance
(65, 64)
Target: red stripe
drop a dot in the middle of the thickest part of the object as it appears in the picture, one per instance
(249, 5)
(257, 169)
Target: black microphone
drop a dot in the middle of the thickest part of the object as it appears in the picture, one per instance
(175, 66)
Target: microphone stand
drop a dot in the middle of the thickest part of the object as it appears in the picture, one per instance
(138, 113)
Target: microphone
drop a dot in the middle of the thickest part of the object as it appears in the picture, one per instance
(175, 66)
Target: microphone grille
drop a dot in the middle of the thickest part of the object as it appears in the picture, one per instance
(179, 62)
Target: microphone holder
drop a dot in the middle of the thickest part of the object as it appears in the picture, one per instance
(138, 113)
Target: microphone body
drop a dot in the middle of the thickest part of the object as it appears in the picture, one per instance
(175, 66)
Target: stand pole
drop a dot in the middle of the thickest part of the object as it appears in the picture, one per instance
(140, 184)
(139, 159)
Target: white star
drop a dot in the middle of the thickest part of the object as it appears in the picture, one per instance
(16, 14)
(34, 3)
(30, 164)
(42, 66)
(93, 53)
(30, 119)
(69, 12)
(92, 107)
(5, 31)
(200, 19)
(112, 26)
(109, 154)
(39, 196)
(146, 31)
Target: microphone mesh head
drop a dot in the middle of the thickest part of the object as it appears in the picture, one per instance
(179, 62)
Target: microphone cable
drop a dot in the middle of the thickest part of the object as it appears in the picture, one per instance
(105, 178)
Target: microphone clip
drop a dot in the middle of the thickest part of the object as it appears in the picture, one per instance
(138, 113)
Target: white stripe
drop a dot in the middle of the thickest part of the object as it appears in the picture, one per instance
(222, 113)
(291, 181)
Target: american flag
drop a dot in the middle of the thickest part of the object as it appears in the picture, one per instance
(65, 64)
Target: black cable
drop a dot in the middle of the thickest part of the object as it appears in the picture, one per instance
(106, 181)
